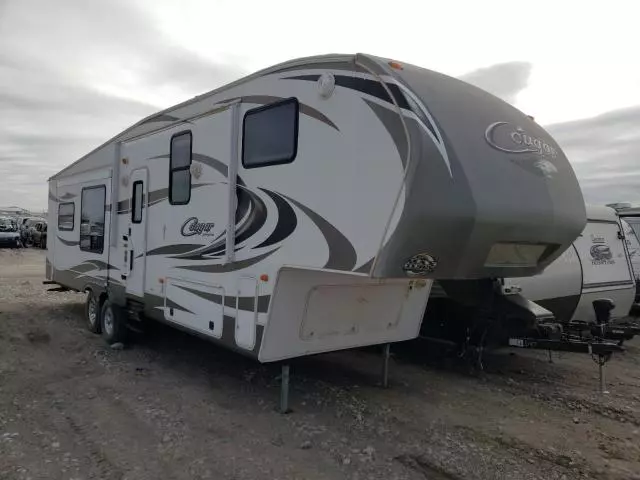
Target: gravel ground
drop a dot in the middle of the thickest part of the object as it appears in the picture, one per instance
(172, 406)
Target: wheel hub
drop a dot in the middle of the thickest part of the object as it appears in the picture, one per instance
(108, 322)
(93, 311)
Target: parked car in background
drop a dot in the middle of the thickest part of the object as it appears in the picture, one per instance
(26, 229)
(38, 235)
(7, 224)
(9, 235)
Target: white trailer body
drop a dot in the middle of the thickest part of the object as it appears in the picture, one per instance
(597, 265)
(307, 207)
(630, 226)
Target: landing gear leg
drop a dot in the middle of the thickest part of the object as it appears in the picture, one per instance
(284, 390)
(479, 363)
(602, 360)
(386, 353)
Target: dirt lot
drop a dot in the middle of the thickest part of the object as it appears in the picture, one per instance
(175, 407)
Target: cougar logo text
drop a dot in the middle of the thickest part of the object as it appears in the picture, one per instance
(506, 138)
(193, 227)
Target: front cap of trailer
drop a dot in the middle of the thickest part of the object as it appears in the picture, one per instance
(488, 192)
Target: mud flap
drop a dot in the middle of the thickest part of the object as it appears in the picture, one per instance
(315, 311)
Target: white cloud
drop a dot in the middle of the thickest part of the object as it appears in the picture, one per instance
(605, 153)
(69, 81)
(504, 80)
(73, 74)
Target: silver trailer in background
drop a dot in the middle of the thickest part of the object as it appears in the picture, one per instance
(633, 246)
(630, 217)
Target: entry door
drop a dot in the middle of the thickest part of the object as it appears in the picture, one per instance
(137, 241)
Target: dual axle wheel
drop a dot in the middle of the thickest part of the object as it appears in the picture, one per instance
(106, 319)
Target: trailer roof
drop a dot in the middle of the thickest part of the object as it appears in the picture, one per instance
(629, 212)
(601, 213)
(334, 57)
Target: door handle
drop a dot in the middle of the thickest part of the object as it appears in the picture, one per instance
(131, 260)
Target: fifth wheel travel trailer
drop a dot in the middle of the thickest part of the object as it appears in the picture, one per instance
(306, 208)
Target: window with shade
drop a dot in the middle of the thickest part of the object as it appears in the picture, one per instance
(179, 169)
(66, 216)
(270, 134)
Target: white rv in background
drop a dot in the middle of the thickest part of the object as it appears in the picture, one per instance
(306, 207)
(597, 265)
(633, 246)
(630, 218)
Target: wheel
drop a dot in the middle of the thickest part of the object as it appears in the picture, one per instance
(114, 329)
(92, 313)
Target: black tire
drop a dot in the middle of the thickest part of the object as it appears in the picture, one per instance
(112, 320)
(93, 313)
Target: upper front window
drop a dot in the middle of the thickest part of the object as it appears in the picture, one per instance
(270, 134)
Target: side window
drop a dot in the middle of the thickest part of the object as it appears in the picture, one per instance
(137, 201)
(66, 216)
(179, 173)
(92, 219)
(270, 134)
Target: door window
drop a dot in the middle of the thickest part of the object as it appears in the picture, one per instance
(137, 198)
